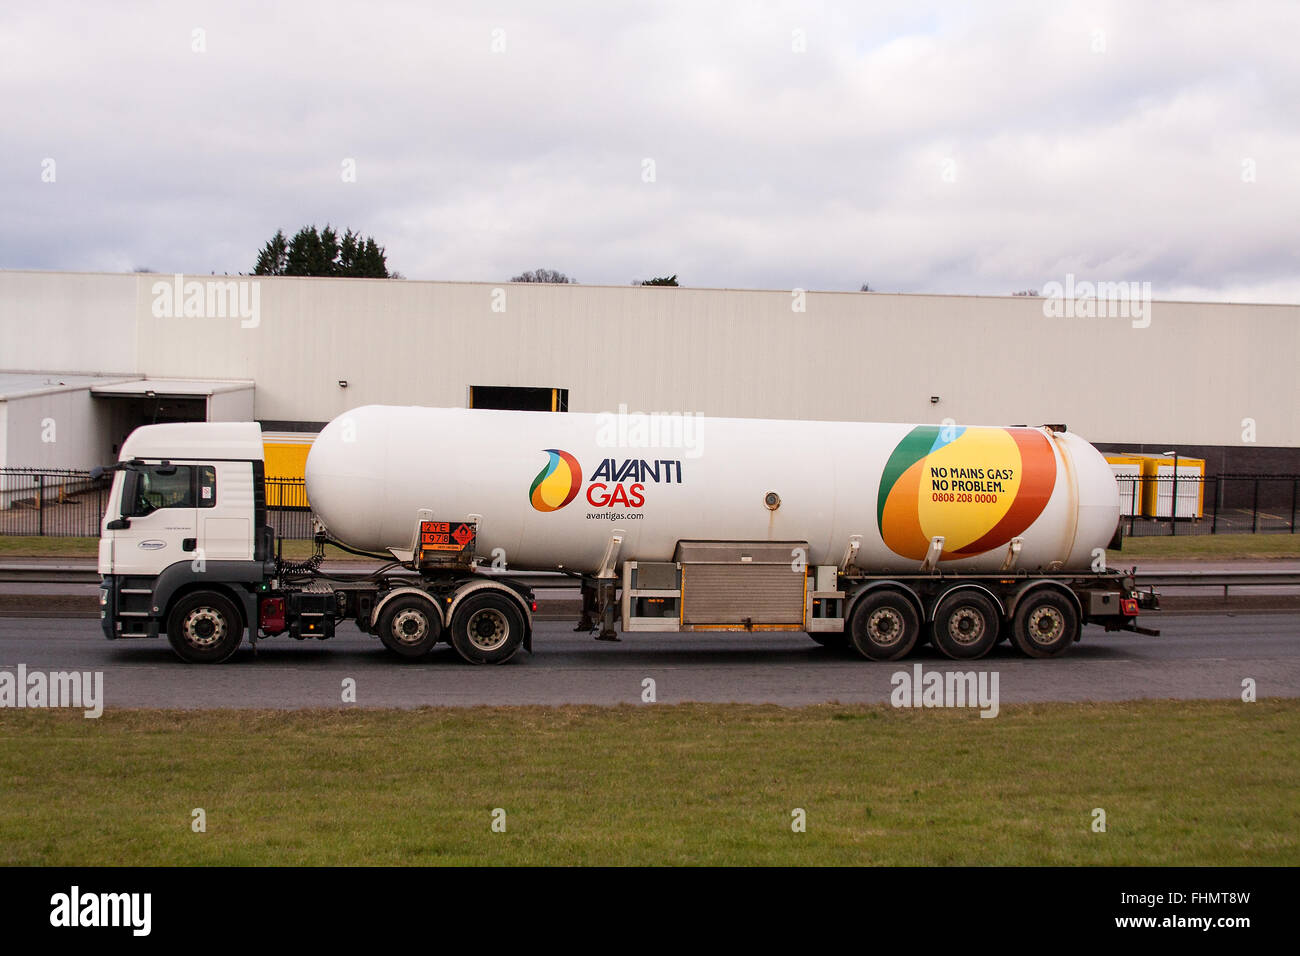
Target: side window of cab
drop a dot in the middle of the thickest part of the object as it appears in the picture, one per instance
(156, 487)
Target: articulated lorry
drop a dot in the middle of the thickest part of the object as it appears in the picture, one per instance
(874, 537)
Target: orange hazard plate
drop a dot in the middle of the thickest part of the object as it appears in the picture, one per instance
(445, 535)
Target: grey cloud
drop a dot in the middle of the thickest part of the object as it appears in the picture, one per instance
(774, 169)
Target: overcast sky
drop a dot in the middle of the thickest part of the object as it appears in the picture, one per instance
(916, 147)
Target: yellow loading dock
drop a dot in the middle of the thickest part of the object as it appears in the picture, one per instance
(1158, 486)
(286, 462)
(1128, 475)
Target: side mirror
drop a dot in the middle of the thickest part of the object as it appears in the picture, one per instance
(118, 524)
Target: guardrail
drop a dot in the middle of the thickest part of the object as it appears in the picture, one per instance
(48, 573)
(17, 573)
(1214, 579)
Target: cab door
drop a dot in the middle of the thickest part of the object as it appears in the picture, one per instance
(157, 526)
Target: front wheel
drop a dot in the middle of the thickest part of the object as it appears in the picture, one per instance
(204, 628)
(487, 628)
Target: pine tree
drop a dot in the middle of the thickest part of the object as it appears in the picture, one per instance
(312, 253)
(273, 260)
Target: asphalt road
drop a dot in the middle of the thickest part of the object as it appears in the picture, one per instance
(1197, 656)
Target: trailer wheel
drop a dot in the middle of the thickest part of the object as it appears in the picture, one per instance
(965, 625)
(204, 627)
(1046, 624)
(884, 626)
(487, 628)
(409, 626)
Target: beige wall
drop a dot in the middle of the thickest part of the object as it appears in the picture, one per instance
(1189, 378)
(57, 429)
(68, 322)
(234, 405)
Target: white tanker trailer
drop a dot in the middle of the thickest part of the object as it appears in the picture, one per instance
(871, 536)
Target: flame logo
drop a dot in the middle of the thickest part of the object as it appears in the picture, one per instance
(557, 483)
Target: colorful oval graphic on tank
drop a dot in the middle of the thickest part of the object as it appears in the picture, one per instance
(557, 483)
(978, 487)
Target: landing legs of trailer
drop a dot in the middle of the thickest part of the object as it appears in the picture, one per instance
(599, 607)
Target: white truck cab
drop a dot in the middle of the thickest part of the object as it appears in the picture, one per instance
(186, 515)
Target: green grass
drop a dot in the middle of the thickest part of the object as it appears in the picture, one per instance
(1208, 546)
(21, 546)
(1201, 783)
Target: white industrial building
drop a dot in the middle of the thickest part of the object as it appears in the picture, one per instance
(96, 354)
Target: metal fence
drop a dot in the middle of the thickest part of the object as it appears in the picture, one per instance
(1219, 504)
(287, 510)
(57, 502)
(67, 502)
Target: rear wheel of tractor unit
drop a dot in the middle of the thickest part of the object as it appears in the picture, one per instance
(884, 626)
(965, 625)
(205, 628)
(1045, 625)
(487, 628)
(410, 626)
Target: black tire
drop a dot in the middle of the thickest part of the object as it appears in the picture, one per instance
(410, 626)
(965, 625)
(884, 626)
(205, 627)
(830, 639)
(1045, 625)
(487, 628)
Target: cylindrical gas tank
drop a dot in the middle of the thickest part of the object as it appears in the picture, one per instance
(549, 489)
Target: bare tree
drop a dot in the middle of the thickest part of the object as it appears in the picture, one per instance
(545, 275)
